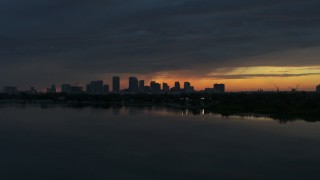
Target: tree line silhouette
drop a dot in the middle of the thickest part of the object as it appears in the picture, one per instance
(283, 105)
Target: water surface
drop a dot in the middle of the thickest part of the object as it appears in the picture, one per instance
(152, 143)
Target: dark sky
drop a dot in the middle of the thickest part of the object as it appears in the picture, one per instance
(55, 41)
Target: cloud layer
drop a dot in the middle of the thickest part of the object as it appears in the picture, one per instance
(64, 40)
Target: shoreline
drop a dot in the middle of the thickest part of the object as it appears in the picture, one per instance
(282, 118)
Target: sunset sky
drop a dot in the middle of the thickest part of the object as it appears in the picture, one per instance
(246, 44)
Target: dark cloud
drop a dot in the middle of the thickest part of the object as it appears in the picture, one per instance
(79, 39)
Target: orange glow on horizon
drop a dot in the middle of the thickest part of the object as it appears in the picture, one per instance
(252, 84)
(249, 78)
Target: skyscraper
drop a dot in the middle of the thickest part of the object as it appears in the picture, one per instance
(219, 88)
(177, 85)
(141, 86)
(133, 84)
(186, 85)
(155, 87)
(176, 88)
(95, 87)
(115, 84)
(318, 89)
(188, 88)
(165, 87)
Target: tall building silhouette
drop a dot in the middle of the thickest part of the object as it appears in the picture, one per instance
(219, 87)
(141, 86)
(155, 87)
(177, 86)
(95, 87)
(188, 88)
(115, 84)
(133, 84)
(165, 87)
(318, 88)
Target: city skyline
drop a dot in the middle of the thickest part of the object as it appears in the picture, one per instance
(137, 85)
(247, 84)
(133, 85)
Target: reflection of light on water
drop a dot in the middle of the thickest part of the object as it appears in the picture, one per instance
(203, 113)
(185, 112)
(251, 117)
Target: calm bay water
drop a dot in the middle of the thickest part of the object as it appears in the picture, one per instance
(152, 143)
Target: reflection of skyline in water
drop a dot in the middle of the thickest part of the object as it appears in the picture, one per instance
(159, 110)
(125, 142)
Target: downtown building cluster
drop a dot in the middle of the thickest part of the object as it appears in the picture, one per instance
(134, 86)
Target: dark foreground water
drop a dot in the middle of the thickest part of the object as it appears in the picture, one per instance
(152, 143)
